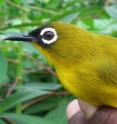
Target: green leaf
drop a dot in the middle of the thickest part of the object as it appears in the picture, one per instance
(19, 97)
(39, 86)
(41, 107)
(25, 119)
(89, 23)
(58, 115)
(1, 2)
(3, 68)
(46, 105)
(112, 11)
(54, 4)
(2, 122)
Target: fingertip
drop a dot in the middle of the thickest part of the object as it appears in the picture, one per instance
(74, 114)
(72, 108)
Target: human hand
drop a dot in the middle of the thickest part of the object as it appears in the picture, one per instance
(104, 115)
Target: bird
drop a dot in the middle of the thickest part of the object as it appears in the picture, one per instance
(85, 62)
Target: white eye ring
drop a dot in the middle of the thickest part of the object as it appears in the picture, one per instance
(51, 30)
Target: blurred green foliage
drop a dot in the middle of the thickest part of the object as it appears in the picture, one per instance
(29, 89)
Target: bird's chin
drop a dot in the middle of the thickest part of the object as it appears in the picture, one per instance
(37, 46)
(40, 48)
(44, 52)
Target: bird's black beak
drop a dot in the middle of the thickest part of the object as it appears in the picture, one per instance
(26, 38)
(32, 36)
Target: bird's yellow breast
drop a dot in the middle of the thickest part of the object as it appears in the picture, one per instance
(68, 80)
(92, 90)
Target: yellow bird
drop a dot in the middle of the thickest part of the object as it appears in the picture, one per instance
(85, 62)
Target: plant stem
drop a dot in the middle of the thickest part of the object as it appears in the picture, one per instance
(64, 93)
(7, 120)
(13, 85)
(19, 73)
(17, 6)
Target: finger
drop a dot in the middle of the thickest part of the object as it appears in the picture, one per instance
(104, 115)
(72, 108)
(73, 113)
(87, 109)
(78, 118)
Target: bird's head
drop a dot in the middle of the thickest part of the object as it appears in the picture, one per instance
(57, 41)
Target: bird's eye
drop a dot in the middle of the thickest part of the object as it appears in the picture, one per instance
(48, 35)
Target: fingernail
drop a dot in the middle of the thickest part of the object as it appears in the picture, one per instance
(87, 109)
(72, 108)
